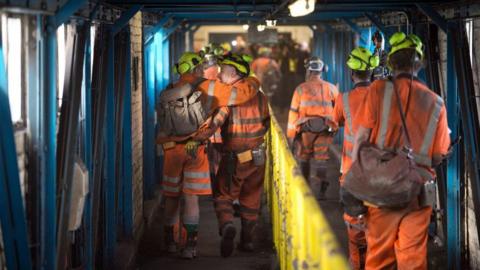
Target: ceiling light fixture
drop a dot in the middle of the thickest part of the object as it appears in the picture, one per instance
(301, 8)
(260, 27)
(271, 23)
(245, 27)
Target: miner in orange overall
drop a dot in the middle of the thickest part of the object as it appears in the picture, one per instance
(307, 131)
(361, 62)
(184, 174)
(397, 239)
(186, 171)
(242, 167)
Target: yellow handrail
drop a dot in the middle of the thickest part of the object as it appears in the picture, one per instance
(302, 236)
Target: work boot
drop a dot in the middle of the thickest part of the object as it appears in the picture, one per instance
(228, 237)
(305, 168)
(323, 189)
(169, 240)
(248, 230)
(190, 250)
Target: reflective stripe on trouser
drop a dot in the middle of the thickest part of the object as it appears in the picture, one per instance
(181, 173)
(397, 238)
(313, 146)
(246, 186)
(357, 243)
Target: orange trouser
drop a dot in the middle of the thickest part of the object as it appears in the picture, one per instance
(313, 145)
(246, 186)
(397, 239)
(182, 173)
(357, 243)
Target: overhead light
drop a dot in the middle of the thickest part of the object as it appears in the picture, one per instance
(245, 27)
(260, 27)
(234, 43)
(301, 7)
(271, 23)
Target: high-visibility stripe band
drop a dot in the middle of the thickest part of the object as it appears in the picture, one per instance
(174, 180)
(387, 101)
(348, 138)
(422, 159)
(291, 126)
(247, 121)
(294, 109)
(198, 175)
(233, 96)
(171, 189)
(197, 186)
(311, 103)
(211, 92)
(348, 115)
(256, 134)
(432, 127)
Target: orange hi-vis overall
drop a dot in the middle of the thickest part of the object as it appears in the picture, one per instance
(243, 128)
(181, 172)
(397, 239)
(262, 65)
(345, 113)
(314, 98)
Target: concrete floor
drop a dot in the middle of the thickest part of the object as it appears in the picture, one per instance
(151, 255)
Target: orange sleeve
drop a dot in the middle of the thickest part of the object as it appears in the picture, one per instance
(367, 113)
(293, 115)
(337, 116)
(441, 142)
(216, 121)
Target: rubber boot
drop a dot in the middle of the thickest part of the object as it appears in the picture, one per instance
(248, 231)
(323, 190)
(190, 250)
(305, 168)
(319, 183)
(228, 237)
(169, 240)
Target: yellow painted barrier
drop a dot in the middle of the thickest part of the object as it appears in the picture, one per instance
(302, 236)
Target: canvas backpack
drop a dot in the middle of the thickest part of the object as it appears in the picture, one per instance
(180, 110)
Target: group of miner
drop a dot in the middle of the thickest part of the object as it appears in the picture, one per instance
(224, 153)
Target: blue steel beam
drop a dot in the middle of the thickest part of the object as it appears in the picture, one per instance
(124, 18)
(377, 22)
(87, 108)
(110, 213)
(66, 11)
(453, 174)
(167, 32)
(48, 156)
(434, 16)
(12, 214)
(159, 25)
(49, 128)
(354, 28)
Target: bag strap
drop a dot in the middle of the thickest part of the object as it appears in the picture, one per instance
(197, 83)
(402, 115)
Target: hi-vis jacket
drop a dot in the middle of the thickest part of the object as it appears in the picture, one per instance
(243, 126)
(313, 98)
(345, 113)
(425, 114)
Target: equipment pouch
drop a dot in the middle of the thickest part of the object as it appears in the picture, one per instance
(428, 194)
(244, 156)
(259, 155)
(169, 145)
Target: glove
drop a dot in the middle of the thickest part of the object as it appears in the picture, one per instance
(191, 148)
